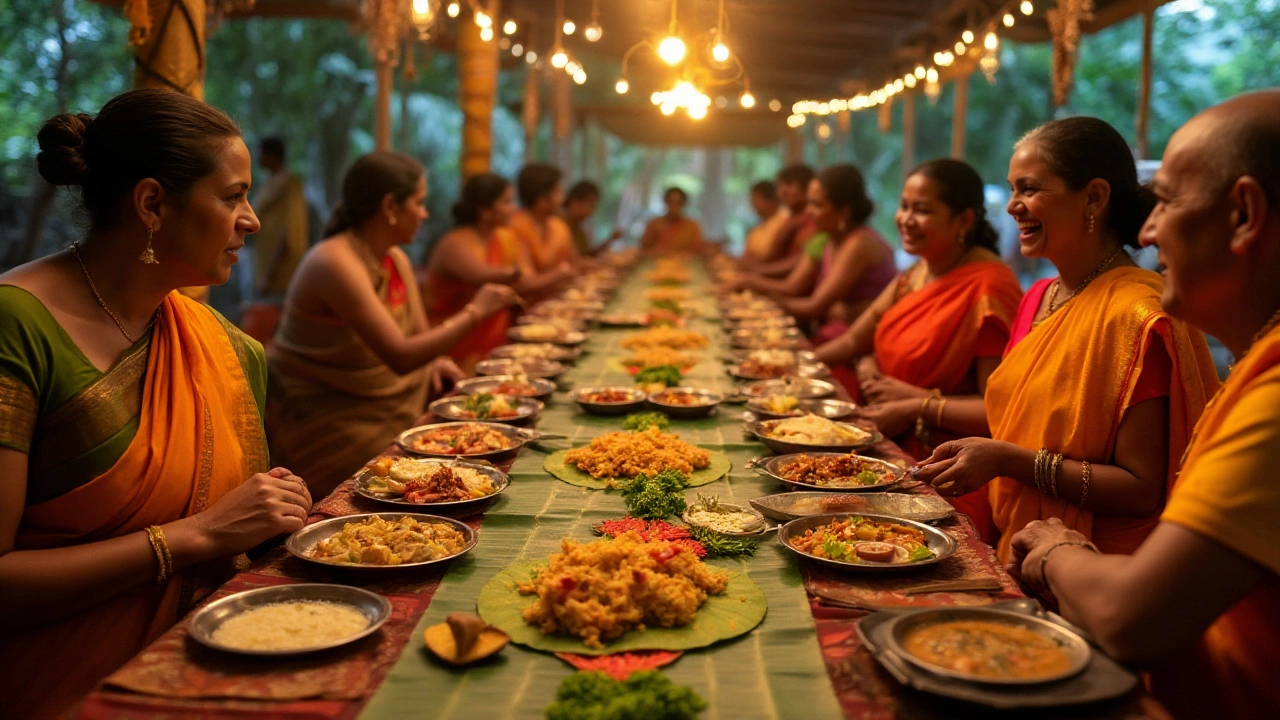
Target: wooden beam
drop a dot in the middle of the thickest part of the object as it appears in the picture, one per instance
(1144, 86)
(959, 117)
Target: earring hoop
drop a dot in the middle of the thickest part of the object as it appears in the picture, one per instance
(148, 256)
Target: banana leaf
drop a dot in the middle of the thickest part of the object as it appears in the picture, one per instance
(556, 466)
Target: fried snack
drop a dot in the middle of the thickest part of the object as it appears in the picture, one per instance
(657, 356)
(665, 336)
(627, 454)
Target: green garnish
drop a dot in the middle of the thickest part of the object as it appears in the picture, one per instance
(718, 545)
(866, 477)
(921, 553)
(643, 421)
(835, 549)
(668, 375)
(671, 305)
(643, 695)
(655, 498)
(478, 404)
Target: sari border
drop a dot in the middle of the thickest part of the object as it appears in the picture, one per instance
(19, 409)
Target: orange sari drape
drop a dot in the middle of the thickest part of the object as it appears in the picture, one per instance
(549, 243)
(676, 238)
(444, 297)
(1067, 385)
(199, 436)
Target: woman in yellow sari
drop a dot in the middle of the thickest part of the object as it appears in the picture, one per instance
(1095, 399)
(354, 360)
(133, 466)
(673, 233)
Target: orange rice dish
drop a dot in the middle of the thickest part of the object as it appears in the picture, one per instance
(601, 590)
(665, 336)
(627, 454)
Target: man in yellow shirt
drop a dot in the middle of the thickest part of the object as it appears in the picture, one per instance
(1198, 604)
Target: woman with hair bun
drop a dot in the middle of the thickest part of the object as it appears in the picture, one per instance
(1095, 399)
(133, 465)
(936, 333)
(354, 361)
(480, 249)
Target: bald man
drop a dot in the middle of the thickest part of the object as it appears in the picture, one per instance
(1198, 604)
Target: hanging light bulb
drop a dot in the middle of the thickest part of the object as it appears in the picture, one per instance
(517, 49)
(572, 67)
(931, 87)
(898, 85)
(531, 57)
(775, 105)
(559, 59)
(580, 77)
(747, 100)
(1026, 7)
(671, 50)
(720, 52)
(569, 27)
(622, 86)
(453, 9)
(486, 34)
(919, 72)
(1008, 20)
(697, 112)
(483, 20)
(931, 76)
(422, 13)
(967, 37)
(505, 43)
(667, 108)
(909, 80)
(593, 32)
(961, 48)
(991, 41)
(509, 27)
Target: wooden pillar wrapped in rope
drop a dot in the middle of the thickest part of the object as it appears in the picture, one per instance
(385, 22)
(168, 39)
(477, 92)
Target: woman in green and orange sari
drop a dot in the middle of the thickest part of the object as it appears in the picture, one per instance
(937, 332)
(133, 466)
(1095, 399)
(672, 233)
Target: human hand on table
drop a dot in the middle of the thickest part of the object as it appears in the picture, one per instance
(1031, 543)
(879, 388)
(961, 466)
(492, 297)
(443, 373)
(892, 418)
(262, 507)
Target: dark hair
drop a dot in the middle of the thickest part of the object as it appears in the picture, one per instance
(536, 181)
(582, 191)
(766, 190)
(684, 197)
(272, 145)
(1080, 149)
(370, 179)
(845, 188)
(147, 133)
(960, 188)
(800, 175)
(480, 192)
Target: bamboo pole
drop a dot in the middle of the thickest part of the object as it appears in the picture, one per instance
(959, 117)
(477, 93)
(908, 133)
(1144, 86)
(169, 45)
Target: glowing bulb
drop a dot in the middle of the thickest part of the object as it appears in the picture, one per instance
(671, 50)
(580, 77)
(919, 72)
(483, 19)
(569, 27)
(453, 9)
(775, 105)
(559, 60)
(531, 57)
(517, 49)
(667, 108)
(991, 42)
(1026, 7)
(898, 85)
(655, 98)
(747, 100)
(961, 48)
(593, 32)
(697, 112)
(931, 76)
(422, 9)
(1008, 20)
(622, 86)
(909, 81)
(486, 34)
(509, 27)
(572, 67)
(720, 52)
(967, 37)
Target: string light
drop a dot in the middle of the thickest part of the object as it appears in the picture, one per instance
(671, 50)
(572, 67)
(422, 13)
(720, 52)
(919, 72)
(569, 27)
(747, 100)
(967, 37)
(486, 34)
(991, 41)
(909, 81)
(483, 20)
(961, 48)
(531, 57)
(775, 105)
(517, 49)
(1008, 20)
(559, 60)
(505, 43)
(622, 86)
(453, 9)
(683, 95)
(593, 32)
(580, 77)
(1026, 7)
(509, 27)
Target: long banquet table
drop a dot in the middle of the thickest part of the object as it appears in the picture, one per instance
(804, 660)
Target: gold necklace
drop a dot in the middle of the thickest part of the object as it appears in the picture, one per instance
(376, 273)
(75, 250)
(1053, 291)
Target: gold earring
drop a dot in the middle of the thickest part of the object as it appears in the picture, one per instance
(392, 220)
(960, 237)
(148, 256)
(1090, 216)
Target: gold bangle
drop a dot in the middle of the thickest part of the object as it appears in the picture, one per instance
(1053, 475)
(161, 548)
(942, 404)
(1086, 472)
(1041, 457)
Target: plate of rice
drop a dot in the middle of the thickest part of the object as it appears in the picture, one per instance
(289, 619)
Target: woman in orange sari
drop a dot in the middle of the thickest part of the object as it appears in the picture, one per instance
(133, 466)
(672, 233)
(480, 250)
(937, 331)
(1095, 399)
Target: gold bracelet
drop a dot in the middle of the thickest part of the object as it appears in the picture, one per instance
(1065, 543)
(1086, 472)
(1041, 457)
(942, 403)
(163, 557)
(1054, 466)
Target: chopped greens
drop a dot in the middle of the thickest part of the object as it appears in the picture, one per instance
(668, 375)
(718, 545)
(643, 695)
(866, 477)
(643, 421)
(921, 553)
(657, 497)
(836, 550)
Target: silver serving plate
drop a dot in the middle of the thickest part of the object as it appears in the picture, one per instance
(757, 324)
(760, 525)
(623, 320)
(829, 409)
(635, 402)
(569, 318)
(710, 401)
(450, 408)
(499, 478)
(519, 437)
(1075, 646)
(474, 386)
(206, 621)
(760, 429)
(303, 541)
(800, 370)
(799, 388)
(548, 351)
(942, 544)
(772, 467)
(530, 367)
(788, 506)
(738, 356)
(791, 339)
(520, 333)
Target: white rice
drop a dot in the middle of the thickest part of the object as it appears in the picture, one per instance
(290, 625)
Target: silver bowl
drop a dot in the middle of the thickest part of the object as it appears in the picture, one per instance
(772, 467)
(301, 542)
(530, 367)
(474, 386)
(942, 544)
(548, 351)
(799, 388)
(709, 402)
(517, 436)
(450, 408)
(635, 401)
(520, 333)
(760, 429)
(499, 478)
(206, 621)
(829, 409)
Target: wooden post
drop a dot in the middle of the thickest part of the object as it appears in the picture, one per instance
(532, 111)
(959, 116)
(477, 92)
(908, 133)
(1144, 85)
(385, 74)
(561, 120)
(168, 45)
(844, 121)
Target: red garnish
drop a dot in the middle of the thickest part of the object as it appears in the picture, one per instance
(652, 530)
